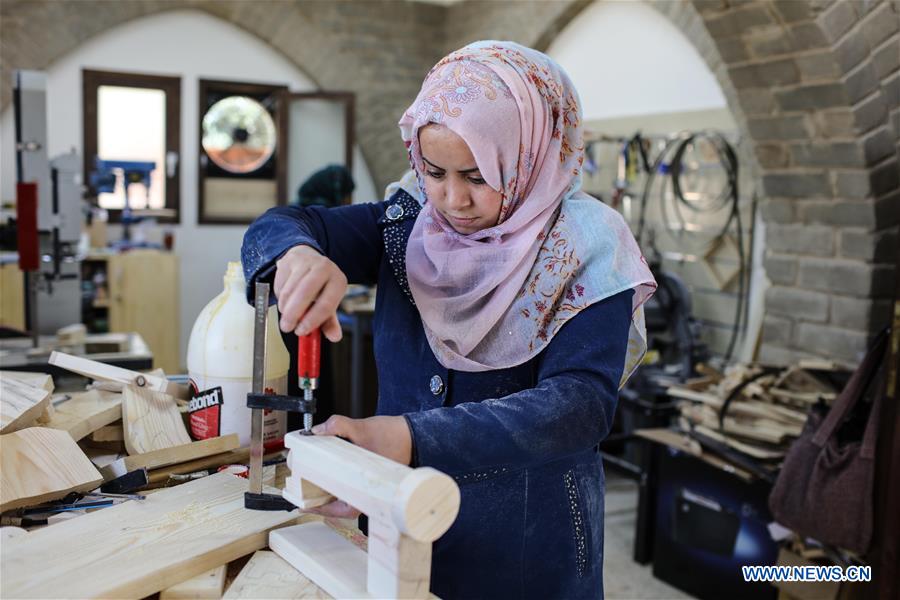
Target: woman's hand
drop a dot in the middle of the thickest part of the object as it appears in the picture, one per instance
(309, 288)
(388, 436)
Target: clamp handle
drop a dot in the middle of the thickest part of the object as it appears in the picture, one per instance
(309, 355)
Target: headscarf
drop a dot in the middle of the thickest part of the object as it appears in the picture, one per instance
(326, 187)
(495, 298)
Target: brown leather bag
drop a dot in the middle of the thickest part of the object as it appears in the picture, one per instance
(826, 485)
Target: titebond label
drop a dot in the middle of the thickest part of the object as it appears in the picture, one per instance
(205, 409)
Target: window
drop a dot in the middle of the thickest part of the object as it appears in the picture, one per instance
(318, 129)
(134, 117)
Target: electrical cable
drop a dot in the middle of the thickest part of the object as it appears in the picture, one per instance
(727, 199)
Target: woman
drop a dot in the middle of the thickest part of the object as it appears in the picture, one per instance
(328, 187)
(508, 314)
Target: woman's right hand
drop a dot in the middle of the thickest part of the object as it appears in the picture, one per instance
(309, 288)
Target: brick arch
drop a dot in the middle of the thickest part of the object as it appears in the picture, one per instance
(338, 45)
(815, 87)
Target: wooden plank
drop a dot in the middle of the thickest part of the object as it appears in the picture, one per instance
(20, 404)
(8, 533)
(754, 451)
(267, 575)
(71, 335)
(138, 548)
(12, 296)
(40, 380)
(105, 372)
(174, 455)
(86, 412)
(109, 433)
(741, 406)
(151, 421)
(143, 291)
(239, 456)
(206, 585)
(324, 556)
(762, 430)
(41, 464)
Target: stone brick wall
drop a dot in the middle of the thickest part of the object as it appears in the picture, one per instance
(813, 84)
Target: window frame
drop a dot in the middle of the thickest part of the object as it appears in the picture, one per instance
(91, 80)
(287, 97)
(204, 86)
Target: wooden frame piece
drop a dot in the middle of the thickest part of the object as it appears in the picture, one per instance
(151, 421)
(91, 80)
(105, 372)
(407, 508)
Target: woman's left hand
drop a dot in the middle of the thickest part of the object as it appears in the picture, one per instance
(387, 436)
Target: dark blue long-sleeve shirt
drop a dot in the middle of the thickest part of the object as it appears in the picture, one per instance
(520, 442)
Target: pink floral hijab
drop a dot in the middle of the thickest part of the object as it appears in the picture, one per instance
(495, 298)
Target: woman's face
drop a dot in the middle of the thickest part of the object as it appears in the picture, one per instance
(453, 182)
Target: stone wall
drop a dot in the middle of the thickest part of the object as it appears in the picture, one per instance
(813, 84)
(379, 49)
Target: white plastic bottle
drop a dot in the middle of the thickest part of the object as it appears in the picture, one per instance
(220, 365)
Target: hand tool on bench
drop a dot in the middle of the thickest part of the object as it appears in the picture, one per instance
(308, 361)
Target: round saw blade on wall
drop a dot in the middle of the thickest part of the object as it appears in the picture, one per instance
(238, 134)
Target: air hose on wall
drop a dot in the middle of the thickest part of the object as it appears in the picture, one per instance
(674, 204)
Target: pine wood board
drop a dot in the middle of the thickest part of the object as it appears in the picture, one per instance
(41, 464)
(151, 421)
(104, 372)
(742, 406)
(41, 380)
(238, 456)
(757, 429)
(20, 404)
(754, 451)
(109, 433)
(324, 557)
(138, 548)
(269, 576)
(207, 585)
(10, 532)
(86, 412)
(174, 455)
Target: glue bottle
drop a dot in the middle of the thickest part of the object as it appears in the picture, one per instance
(220, 366)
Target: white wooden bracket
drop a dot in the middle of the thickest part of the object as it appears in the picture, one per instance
(408, 509)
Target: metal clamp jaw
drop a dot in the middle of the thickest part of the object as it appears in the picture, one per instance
(279, 402)
(258, 401)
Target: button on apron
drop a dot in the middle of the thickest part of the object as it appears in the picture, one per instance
(436, 385)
